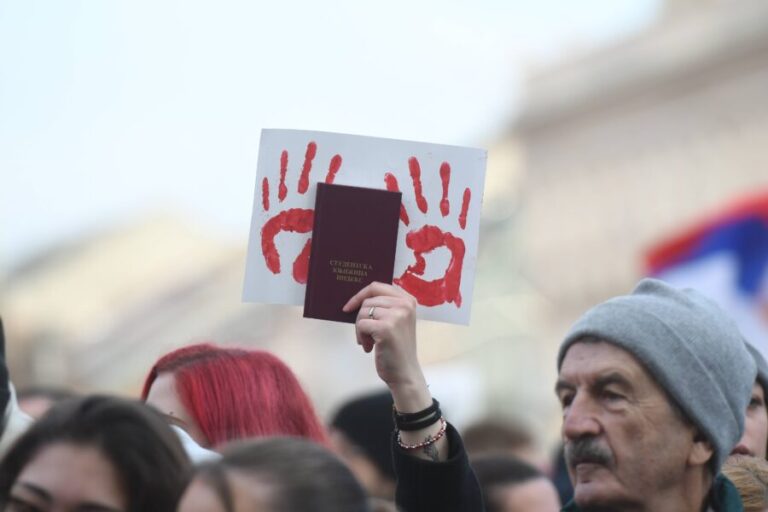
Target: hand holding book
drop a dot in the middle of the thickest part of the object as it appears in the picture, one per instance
(354, 239)
(386, 324)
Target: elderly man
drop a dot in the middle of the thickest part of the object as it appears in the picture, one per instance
(653, 388)
(754, 442)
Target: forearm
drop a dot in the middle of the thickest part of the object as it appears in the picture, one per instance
(386, 322)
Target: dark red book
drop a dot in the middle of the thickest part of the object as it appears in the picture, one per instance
(354, 238)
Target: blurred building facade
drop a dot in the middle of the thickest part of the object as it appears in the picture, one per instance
(631, 142)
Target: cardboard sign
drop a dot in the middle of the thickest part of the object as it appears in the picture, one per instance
(442, 190)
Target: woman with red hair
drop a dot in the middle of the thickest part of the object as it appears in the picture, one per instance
(219, 394)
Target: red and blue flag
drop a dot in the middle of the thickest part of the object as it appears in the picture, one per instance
(724, 257)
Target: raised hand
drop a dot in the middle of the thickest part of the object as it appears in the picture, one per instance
(294, 220)
(386, 323)
(425, 239)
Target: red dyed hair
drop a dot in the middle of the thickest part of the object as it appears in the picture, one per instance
(235, 393)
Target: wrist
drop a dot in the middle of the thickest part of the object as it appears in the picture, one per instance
(412, 395)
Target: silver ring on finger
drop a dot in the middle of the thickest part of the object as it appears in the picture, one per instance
(371, 311)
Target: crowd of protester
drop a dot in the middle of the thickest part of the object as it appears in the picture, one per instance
(663, 406)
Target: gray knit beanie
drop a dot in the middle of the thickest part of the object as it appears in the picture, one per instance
(762, 368)
(691, 348)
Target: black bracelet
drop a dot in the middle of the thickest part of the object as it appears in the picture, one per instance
(418, 425)
(408, 417)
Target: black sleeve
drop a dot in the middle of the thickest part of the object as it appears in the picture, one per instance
(426, 486)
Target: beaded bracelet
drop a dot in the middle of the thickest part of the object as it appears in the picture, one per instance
(428, 441)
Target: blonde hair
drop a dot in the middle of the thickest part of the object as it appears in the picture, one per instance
(750, 476)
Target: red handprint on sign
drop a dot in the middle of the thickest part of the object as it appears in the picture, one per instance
(428, 238)
(294, 220)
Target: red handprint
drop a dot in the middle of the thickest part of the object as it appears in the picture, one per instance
(295, 220)
(428, 238)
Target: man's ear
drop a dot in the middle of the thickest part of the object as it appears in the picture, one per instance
(701, 450)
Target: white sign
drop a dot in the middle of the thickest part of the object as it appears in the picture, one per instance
(442, 189)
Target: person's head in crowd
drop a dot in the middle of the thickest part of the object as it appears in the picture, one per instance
(510, 484)
(36, 400)
(499, 436)
(653, 388)
(274, 475)
(750, 476)
(361, 435)
(754, 442)
(221, 394)
(95, 453)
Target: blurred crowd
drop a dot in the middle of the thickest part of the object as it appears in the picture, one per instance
(663, 406)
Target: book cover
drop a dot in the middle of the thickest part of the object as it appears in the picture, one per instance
(354, 238)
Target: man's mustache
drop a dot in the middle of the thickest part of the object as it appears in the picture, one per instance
(587, 450)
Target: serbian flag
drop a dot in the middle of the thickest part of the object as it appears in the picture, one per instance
(725, 257)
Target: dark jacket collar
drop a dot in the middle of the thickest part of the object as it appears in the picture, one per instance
(723, 498)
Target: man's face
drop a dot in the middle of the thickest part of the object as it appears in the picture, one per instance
(624, 442)
(755, 439)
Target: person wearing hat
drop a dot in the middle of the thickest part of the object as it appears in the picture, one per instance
(754, 442)
(653, 387)
(361, 435)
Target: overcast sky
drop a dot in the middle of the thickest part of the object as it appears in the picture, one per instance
(112, 108)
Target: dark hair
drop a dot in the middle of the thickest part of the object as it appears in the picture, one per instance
(303, 476)
(498, 470)
(146, 453)
(367, 422)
